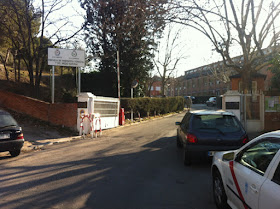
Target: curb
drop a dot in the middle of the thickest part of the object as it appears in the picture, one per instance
(29, 146)
(39, 145)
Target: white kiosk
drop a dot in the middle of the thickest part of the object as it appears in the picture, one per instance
(232, 103)
(96, 113)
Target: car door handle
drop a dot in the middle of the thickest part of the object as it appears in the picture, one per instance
(254, 188)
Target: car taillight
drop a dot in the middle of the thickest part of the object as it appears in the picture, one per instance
(245, 139)
(20, 136)
(191, 138)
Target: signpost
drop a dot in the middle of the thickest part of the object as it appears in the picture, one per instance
(133, 85)
(66, 58)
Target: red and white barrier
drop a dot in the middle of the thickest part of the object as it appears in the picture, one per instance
(93, 122)
(97, 119)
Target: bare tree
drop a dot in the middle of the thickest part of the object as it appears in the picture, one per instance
(4, 60)
(27, 31)
(169, 54)
(220, 72)
(242, 32)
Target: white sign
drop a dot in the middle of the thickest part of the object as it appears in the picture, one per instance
(66, 57)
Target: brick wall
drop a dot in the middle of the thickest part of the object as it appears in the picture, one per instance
(260, 83)
(272, 119)
(58, 114)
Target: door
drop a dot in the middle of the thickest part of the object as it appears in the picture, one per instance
(249, 172)
(269, 194)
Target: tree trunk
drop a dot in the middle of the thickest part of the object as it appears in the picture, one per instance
(5, 63)
(18, 69)
(246, 81)
(162, 86)
(246, 88)
(39, 76)
(14, 66)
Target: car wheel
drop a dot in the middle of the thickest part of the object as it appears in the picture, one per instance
(179, 144)
(186, 158)
(15, 153)
(219, 193)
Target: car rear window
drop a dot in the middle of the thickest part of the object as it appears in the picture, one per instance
(216, 123)
(6, 120)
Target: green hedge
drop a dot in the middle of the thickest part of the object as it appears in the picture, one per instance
(153, 106)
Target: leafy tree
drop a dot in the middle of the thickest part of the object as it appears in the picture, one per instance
(275, 69)
(127, 26)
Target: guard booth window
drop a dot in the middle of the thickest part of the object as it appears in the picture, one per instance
(106, 109)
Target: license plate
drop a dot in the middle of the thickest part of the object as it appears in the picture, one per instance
(211, 153)
(4, 136)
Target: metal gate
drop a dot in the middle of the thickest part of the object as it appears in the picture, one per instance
(249, 108)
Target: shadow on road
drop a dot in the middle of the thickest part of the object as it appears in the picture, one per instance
(151, 178)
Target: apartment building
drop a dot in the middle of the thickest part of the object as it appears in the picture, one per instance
(208, 80)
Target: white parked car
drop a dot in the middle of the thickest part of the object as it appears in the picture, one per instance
(250, 176)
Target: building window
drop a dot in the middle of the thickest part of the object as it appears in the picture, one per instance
(157, 88)
(152, 88)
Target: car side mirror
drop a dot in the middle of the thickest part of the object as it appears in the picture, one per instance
(177, 123)
(228, 156)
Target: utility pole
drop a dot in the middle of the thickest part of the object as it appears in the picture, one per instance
(119, 81)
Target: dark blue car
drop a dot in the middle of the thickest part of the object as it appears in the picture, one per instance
(202, 133)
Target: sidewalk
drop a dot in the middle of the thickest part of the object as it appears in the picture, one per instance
(34, 143)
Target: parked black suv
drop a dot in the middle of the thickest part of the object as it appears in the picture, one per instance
(202, 133)
(11, 136)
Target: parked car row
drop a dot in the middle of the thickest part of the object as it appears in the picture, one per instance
(244, 174)
(11, 136)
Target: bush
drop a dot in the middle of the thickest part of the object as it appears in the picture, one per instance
(152, 106)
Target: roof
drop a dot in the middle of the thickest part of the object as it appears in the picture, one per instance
(255, 75)
(211, 112)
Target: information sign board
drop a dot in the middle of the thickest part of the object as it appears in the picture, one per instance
(66, 57)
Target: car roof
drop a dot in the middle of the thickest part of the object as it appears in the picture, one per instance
(211, 112)
(4, 112)
(271, 134)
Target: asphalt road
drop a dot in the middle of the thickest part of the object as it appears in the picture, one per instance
(132, 167)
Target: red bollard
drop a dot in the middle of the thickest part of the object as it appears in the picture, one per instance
(121, 117)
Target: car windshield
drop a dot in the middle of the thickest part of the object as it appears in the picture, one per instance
(216, 123)
(6, 120)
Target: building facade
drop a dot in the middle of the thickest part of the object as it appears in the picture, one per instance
(212, 80)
